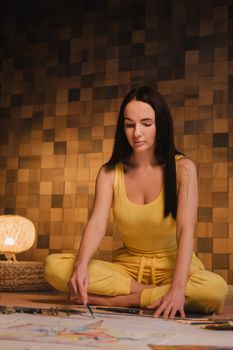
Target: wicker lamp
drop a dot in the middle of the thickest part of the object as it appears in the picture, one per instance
(17, 234)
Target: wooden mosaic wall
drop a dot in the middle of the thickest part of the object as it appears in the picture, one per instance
(65, 66)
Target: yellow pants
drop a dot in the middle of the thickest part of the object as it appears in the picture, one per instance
(205, 290)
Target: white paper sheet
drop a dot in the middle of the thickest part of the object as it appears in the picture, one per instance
(36, 332)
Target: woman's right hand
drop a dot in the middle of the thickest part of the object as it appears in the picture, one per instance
(78, 284)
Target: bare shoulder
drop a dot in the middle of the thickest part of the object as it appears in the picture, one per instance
(186, 167)
(106, 175)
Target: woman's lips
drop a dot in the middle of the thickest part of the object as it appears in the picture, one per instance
(138, 143)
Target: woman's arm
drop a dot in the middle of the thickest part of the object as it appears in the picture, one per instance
(174, 300)
(186, 220)
(93, 232)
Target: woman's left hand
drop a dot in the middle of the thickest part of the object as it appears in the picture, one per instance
(170, 304)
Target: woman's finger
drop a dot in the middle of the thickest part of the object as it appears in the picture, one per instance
(167, 311)
(159, 311)
(173, 312)
(72, 285)
(83, 292)
(182, 313)
(86, 285)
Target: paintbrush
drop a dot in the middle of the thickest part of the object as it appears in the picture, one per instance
(90, 310)
(124, 310)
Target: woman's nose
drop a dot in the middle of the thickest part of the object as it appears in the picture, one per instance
(137, 130)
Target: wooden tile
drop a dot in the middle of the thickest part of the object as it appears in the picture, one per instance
(220, 261)
(205, 245)
(220, 199)
(220, 215)
(205, 199)
(204, 229)
(220, 229)
(220, 184)
(45, 187)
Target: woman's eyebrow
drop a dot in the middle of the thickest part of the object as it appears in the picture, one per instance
(147, 119)
(143, 120)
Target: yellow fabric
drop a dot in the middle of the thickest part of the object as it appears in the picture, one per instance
(149, 268)
(143, 227)
(148, 256)
(205, 291)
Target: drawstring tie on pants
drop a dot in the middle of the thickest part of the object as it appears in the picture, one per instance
(142, 267)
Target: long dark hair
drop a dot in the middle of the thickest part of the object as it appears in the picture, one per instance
(164, 151)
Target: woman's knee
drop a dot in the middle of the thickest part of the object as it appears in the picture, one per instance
(49, 265)
(206, 291)
(216, 295)
(217, 289)
(58, 269)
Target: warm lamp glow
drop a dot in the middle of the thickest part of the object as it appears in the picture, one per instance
(17, 234)
(9, 241)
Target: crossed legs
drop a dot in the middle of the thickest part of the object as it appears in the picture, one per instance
(110, 284)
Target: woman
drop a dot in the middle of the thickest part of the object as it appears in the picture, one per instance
(153, 190)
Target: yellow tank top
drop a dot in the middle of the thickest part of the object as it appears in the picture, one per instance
(142, 226)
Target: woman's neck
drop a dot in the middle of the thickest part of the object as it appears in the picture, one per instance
(143, 159)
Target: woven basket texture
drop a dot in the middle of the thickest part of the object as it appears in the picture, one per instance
(22, 276)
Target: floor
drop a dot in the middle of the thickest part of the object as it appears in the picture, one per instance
(107, 331)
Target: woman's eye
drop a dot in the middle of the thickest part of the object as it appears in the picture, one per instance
(129, 125)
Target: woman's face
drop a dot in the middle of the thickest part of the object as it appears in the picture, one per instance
(139, 123)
